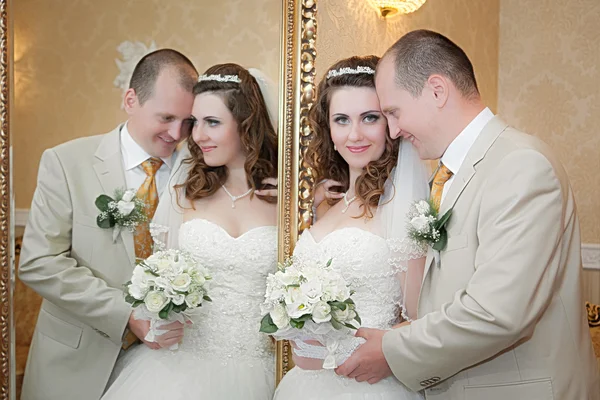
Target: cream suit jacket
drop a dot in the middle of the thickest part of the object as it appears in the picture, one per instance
(501, 316)
(78, 270)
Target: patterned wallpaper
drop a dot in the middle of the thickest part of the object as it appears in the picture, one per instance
(65, 53)
(549, 81)
(352, 27)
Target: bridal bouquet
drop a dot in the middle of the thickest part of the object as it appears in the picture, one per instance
(309, 302)
(167, 287)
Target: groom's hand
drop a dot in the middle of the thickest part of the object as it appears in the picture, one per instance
(140, 328)
(368, 362)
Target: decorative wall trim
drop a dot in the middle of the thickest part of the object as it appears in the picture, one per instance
(590, 254)
(21, 215)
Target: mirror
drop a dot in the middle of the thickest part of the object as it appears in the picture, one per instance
(64, 72)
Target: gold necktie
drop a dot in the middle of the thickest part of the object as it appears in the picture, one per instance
(149, 195)
(437, 187)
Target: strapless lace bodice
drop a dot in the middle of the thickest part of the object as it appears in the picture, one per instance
(228, 327)
(364, 261)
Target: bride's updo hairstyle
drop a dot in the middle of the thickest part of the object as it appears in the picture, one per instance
(241, 94)
(321, 155)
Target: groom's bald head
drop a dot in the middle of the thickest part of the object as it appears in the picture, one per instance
(420, 54)
(149, 68)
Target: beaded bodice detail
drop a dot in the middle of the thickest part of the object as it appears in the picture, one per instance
(228, 327)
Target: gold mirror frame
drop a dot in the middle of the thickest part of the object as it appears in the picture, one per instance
(299, 48)
(295, 95)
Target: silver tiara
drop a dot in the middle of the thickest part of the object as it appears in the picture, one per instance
(220, 78)
(348, 70)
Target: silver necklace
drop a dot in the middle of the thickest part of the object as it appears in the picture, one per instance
(347, 202)
(235, 198)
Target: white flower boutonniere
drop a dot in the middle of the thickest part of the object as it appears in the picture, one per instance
(426, 227)
(124, 211)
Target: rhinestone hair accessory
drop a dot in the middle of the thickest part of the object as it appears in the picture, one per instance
(220, 78)
(347, 70)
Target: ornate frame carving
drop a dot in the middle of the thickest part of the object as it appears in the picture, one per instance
(298, 94)
(6, 239)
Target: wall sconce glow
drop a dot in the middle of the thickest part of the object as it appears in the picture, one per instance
(388, 8)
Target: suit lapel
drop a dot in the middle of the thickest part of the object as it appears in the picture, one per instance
(109, 170)
(484, 141)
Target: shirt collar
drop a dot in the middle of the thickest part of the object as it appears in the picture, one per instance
(457, 151)
(134, 155)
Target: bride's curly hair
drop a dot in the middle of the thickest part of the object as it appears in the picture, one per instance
(258, 136)
(321, 156)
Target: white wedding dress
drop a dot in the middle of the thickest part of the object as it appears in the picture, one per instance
(223, 356)
(363, 258)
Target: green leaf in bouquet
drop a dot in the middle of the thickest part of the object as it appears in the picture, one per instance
(347, 325)
(338, 304)
(295, 323)
(336, 324)
(130, 299)
(357, 318)
(164, 313)
(442, 242)
(305, 317)
(329, 263)
(442, 221)
(205, 297)
(267, 325)
(349, 301)
(137, 303)
(105, 223)
(296, 285)
(102, 202)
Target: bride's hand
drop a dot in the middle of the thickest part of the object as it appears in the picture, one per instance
(268, 192)
(323, 191)
(140, 328)
(173, 335)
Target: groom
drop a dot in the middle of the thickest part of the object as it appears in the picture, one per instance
(501, 314)
(84, 322)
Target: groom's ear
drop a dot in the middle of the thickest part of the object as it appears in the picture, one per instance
(439, 89)
(130, 101)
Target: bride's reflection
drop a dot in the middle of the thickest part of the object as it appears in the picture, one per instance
(220, 208)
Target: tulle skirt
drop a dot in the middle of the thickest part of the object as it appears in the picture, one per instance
(144, 374)
(300, 384)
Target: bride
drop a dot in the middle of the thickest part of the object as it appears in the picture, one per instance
(215, 211)
(352, 148)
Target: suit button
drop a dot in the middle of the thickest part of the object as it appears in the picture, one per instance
(436, 379)
(423, 383)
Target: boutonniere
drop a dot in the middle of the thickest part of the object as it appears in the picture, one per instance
(124, 211)
(426, 227)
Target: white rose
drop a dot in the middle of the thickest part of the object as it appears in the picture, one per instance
(322, 312)
(193, 299)
(286, 278)
(155, 301)
(199, 279)
(142, 278)
(423, 207)
(138, 292)
(162, 282)
(181, 282)
(313, 290)
(125, 207)
(128, 195)
(420, 223)
(279, 316)
(341, 315)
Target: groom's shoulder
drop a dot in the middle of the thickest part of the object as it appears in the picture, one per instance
(81, 148)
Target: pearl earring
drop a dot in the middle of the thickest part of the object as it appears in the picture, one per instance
(334, 147)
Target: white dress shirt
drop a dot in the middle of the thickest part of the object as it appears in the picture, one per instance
(134, 156)
(457, 151)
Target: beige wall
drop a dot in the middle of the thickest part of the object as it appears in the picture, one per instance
(549, 78)
(65, 66)
(351, 27)
(549, 81)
